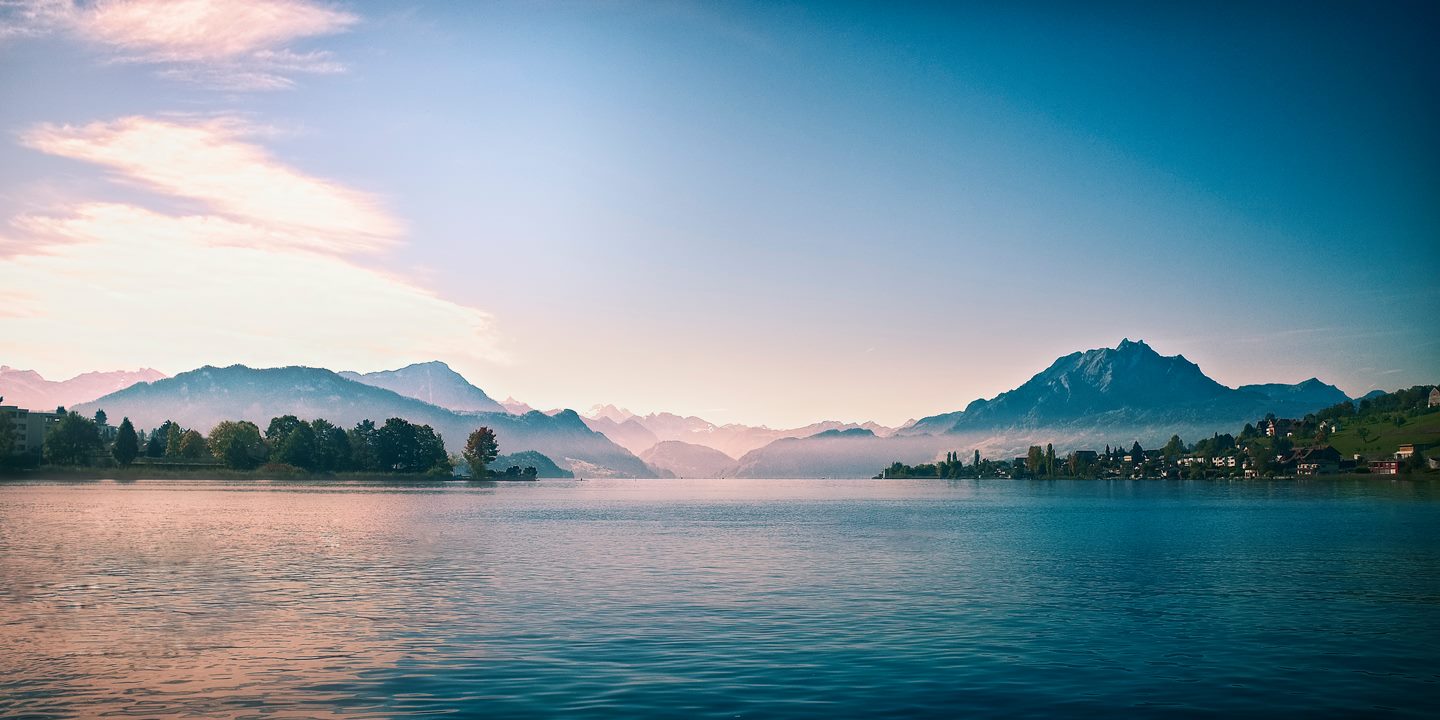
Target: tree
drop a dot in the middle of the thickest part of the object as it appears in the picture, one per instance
(431, 455)
(1415, 463)
(332, 447)
(1137, 453)
(1264, 460)
(158, 439)
(363, 455)
(72, 441)
(278, 430)
(238, 445)
(192, 445)
(480, 450)
(7, 435)
(172, 440)
(401, 446)
(1049, 460)
(1174, 449)
(101, 418)
(1034, 459)
(395, 445)
(127, 444)
(297, 446)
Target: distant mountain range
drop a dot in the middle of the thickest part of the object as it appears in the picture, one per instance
(639, 433)
(202, 398)
(432, 382)
(1084, 399)
(27, 389)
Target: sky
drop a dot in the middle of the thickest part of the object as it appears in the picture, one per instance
(753, 212)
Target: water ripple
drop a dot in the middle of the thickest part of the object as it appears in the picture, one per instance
(719, 598)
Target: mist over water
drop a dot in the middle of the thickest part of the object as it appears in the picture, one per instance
(719, 598)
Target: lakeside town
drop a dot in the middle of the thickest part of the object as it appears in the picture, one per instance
(1389, 434)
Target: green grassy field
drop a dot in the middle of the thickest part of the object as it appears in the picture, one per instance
(1384, 436)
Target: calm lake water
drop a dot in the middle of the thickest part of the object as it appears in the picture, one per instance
(724, 598)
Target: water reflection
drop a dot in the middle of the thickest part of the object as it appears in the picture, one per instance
(792, 598)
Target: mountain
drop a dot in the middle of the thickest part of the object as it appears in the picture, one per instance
(1299, 399)
(853, 453)
(609, 412)
(27, 389)
(1128, 389)
(544, 466)
(638, 432)
(1082, 400)
(515, 407)
(687, 460)
(201, 398)
(629, 434)
(432, 382)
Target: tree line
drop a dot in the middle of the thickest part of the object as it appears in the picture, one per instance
(288, 443)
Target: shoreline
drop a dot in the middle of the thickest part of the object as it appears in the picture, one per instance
(96, 474)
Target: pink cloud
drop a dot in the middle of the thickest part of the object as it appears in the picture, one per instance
(227, 44)
(211, 162)
(263, 274)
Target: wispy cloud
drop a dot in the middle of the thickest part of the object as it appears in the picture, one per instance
(222, 43)
(263, 272)
(211, 162)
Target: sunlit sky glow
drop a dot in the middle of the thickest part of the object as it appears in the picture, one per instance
(767, 213)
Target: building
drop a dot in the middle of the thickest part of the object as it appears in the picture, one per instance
(1279, 427)
(1434, 396)
(1317, 461)
(1406, 450)
(1385, 467)
(29, 427)
(1082, 459)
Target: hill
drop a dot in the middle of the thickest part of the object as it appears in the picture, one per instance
(544, 466)
(837, 453)
(432, 382)
(1294, 401)
(201, 398)
(686, 460)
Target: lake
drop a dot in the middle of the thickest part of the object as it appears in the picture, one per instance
(720, 598)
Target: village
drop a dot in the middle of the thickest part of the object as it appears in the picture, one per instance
(1347, 439)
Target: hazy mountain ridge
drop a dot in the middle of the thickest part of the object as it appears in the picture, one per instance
(683, 459)
(203, 397)
(28, 389)
(433, 382)
(640, 432)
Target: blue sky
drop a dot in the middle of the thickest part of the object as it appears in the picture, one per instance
(753, 212)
